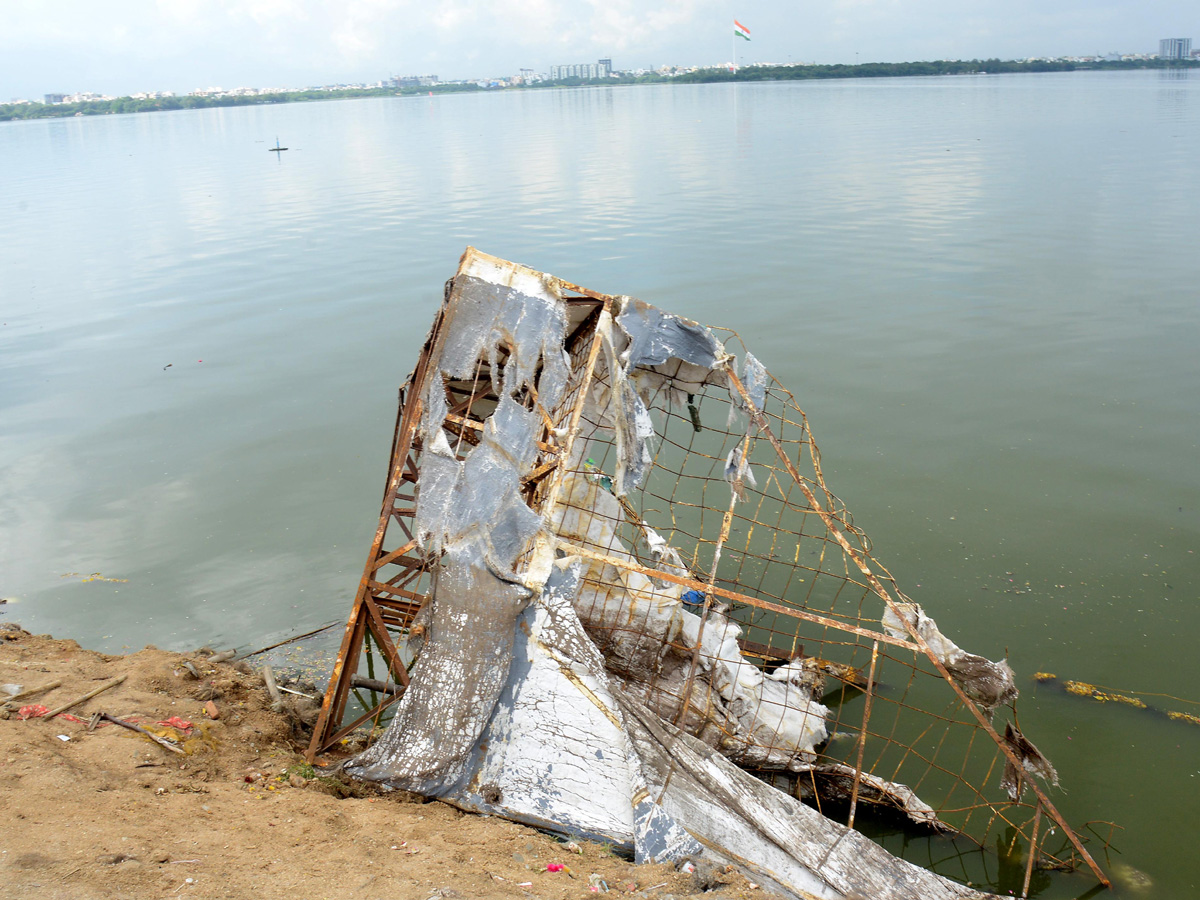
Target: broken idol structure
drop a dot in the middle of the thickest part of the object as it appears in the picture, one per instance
(616, 600)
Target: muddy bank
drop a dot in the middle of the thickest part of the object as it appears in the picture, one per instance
(111, 813)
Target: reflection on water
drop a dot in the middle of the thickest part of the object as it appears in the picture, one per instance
(980, 289)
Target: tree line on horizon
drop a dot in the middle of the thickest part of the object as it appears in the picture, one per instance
(17, 111)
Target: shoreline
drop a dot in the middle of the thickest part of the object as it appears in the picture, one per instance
(19, 112)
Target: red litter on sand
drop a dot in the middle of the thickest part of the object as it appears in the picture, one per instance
(555, 867)
(36, 711)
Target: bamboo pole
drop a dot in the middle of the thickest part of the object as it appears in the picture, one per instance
(88, 696)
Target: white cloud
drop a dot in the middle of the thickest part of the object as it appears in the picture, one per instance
(125, 45)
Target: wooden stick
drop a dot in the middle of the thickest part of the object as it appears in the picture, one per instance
(37, 690)
(88, 696)
(300, 637)
(154, 737)
(268, 675)
(223, 656)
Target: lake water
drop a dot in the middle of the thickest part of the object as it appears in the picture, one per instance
(982, 290)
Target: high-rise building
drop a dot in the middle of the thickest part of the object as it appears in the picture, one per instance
(1174, 48)
(410, 81)
(586, 71)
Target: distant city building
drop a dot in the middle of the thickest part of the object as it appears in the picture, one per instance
(601, 69)
(1174, 48)
(81, 97)
(403, 81)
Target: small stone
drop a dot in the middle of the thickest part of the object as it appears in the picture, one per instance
(210, 710)
(114, 859)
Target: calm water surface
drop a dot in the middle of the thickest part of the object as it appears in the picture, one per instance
(982, 291)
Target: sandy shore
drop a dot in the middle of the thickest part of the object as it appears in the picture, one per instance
(110, 813)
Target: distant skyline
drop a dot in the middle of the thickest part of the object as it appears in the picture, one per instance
(127, 46)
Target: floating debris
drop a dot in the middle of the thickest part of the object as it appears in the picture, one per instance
(95, 576)
(1106, 695)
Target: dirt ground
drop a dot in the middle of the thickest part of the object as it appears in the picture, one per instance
(109, 813)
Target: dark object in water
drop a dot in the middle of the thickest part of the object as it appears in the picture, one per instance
(276, 148)
(694, 413)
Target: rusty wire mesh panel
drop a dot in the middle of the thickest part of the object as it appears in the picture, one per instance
(787, 580)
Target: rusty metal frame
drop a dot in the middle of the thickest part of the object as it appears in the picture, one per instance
(389, 594)
(385, 602)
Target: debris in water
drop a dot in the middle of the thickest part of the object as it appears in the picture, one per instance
(1031, 762)
(587, 632)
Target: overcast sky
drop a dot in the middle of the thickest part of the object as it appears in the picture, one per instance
(123, 46)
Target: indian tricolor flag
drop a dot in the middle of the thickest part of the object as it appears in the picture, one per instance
(741, 30)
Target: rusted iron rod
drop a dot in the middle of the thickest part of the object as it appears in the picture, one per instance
(551, 500)
(328, 742)
(735, 489)
(408, 415)
(395, 663)
(374, 684)
(807, 616)
(463, 422)
(1037, 818)
(395, 556)
(862, 738)
(397, 591)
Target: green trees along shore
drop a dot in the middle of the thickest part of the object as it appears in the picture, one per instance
(16, 111)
